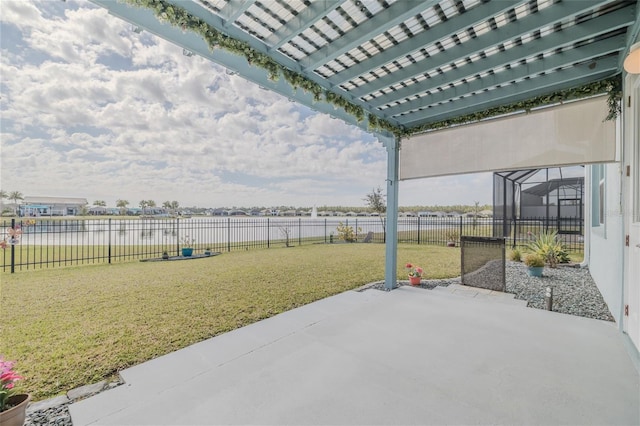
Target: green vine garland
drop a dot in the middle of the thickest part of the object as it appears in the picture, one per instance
(179, 17)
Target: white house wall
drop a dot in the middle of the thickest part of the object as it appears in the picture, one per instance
(605, 254)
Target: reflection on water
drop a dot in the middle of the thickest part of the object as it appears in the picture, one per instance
(205, 230)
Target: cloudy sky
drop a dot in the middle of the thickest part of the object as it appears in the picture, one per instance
(93, 109)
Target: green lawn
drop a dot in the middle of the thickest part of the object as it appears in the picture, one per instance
(72, 326)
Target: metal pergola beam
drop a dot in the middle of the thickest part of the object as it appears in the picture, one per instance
(558, 80)
(234, 9)
(406, 47)
(395, 14)
(531, 69)
(486, 41)
(302, 21)
(597, 26)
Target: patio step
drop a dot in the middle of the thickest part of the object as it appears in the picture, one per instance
(480, 293)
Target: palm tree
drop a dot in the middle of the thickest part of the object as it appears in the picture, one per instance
(3, 195)
(100, 203)
(15, 196)
(122, 205)
(143, 205)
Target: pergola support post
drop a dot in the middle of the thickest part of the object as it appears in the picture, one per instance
(392, 145)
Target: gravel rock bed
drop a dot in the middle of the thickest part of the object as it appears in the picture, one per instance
(58, 415)
(574, 291)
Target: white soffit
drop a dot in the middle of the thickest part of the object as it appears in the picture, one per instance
(566, 135)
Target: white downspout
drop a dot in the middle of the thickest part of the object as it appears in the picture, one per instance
(587, 216)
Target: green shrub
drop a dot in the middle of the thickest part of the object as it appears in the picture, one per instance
(515, 255)
(550, 248)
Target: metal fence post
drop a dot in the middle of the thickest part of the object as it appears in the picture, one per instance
(229, 234)
(268, 233)
(418, 228)
(109, 239)
(460, 227)
(177, 236)
(299, 231)
(356, 229)
(13, 249)
(325, 230)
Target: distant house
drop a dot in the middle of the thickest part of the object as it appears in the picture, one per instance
(51, 206)
(97, 210)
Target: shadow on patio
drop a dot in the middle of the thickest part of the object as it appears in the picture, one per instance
(409, 356)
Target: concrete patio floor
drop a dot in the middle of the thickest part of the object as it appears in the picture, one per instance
(409, 356)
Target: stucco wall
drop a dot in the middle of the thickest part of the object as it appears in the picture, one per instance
(606, 242)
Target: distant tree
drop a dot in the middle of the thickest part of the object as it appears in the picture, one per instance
(175, 205)
(476, 211)
(100, 203)
(3, 195)
(15, 196)
(143, 205)
(376, 201)
(166, 204)
(122, 205)
(151, 203)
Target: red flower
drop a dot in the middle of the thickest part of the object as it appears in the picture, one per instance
(408, 266)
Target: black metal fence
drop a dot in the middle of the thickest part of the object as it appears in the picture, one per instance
(45, 243)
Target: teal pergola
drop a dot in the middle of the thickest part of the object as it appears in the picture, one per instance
(404, 67)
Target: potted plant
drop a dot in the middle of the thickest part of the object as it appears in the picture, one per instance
(165, 255)
(13, 407)
(415, 273)
(207, 251)
(187, 245)
(452, 237)
(535, 264)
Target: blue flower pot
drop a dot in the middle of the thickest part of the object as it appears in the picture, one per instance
(535, 271)
(186, 252)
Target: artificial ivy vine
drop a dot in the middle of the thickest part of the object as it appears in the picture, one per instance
(179, 17)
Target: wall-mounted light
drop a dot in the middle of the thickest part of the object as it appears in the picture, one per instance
(632, 61)
(186, 52)
(136, 29)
